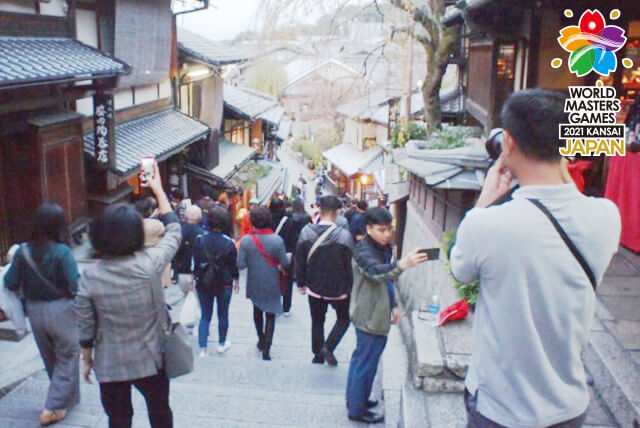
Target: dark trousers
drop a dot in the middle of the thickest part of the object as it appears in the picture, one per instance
(318, 309)
(207, 299)
(476, 420)
(362, 370)
(116, 400)
(264, 330)
(288, 293)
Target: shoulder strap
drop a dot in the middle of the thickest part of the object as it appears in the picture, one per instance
(320, 240)
(32, 264)
(576, 253)
(263, 251)
(283, 220)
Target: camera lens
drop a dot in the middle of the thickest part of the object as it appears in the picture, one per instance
(494, 143)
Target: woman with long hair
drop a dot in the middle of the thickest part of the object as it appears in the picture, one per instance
(121, 323)
(263, 253)
(46, 274)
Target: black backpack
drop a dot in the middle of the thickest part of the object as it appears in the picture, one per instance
(210, 274)
(184, 255)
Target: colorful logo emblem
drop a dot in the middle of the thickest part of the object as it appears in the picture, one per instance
(592, 44)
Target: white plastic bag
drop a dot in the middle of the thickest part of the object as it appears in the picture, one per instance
(11, 305)
(190, 312)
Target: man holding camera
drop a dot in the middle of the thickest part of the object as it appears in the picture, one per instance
(536, 299)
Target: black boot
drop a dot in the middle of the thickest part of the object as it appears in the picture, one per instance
(268, 336)
(266, 355)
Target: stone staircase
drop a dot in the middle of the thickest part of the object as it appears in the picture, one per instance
(238, 389)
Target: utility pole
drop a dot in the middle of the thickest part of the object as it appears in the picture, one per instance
(410, 81)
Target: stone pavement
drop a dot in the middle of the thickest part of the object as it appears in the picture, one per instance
(620, 293)
(611, 358)
(238, 389)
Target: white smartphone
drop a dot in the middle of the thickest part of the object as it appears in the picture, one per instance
(146, 170)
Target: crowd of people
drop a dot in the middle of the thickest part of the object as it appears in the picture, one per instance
(113, 315)
(532, 317)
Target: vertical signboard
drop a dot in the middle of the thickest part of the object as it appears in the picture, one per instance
(104, 129)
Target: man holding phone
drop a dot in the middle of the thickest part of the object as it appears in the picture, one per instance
(536, 298)
(373, 305)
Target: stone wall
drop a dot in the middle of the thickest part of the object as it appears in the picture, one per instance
(418, 284)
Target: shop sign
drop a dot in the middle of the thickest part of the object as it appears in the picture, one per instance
(104, 128)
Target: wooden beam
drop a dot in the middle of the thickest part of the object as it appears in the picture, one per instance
(30, 25)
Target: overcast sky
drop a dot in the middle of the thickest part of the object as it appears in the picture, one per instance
(223, 20)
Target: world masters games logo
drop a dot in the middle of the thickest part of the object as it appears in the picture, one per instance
(593, 44)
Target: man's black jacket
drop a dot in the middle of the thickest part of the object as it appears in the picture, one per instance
(328, 272)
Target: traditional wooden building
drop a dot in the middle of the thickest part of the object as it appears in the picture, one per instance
(312, 96)
(44, 70)
(85, 92)
(251, 118)
(508, 45)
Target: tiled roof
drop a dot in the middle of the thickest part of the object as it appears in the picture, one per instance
(210, 51)
(158, 134)
(375, 107)
(461, 168)
(348, 159)
(363, 108)
(34, 59)
(231, 156)
(252, 104)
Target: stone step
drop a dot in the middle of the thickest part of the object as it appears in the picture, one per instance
(395, 368)
(614, 371)
(220, 400)
(413, 411)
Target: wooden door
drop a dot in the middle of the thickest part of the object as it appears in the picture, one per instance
(62, 168)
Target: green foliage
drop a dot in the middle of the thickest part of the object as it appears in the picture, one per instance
(469, 291)
(328, 137)
(256, 173)
(405, 132)
(448, 138)
(267, 76)
(309, 150)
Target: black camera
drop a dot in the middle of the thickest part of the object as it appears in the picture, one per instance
(494, 143)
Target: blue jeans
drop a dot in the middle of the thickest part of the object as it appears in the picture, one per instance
(223, 295)
(362, 370)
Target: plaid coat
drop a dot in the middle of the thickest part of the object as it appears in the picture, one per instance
(117, 313)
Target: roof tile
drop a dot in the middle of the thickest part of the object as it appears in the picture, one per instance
(154, 135)
(32, 59)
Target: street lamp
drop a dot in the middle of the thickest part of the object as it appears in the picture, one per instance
(364, 179)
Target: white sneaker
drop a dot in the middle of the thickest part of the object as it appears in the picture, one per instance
(203, 352)
(224, 348)
(287, 314)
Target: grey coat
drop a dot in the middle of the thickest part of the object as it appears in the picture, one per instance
(263, 284)
(117, 313)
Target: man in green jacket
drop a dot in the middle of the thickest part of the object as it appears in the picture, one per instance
(373, 304)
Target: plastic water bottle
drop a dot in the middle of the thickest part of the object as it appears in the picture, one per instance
(435, 304)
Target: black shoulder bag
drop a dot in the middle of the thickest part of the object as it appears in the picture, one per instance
(576, 253)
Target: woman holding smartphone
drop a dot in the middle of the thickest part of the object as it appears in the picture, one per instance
(121, 327)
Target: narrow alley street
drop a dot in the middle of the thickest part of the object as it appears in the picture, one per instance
(235, 389)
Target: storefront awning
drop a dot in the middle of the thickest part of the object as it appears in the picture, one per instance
(231, 158)
(351, 161)
(160, 134)
(26, 61)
